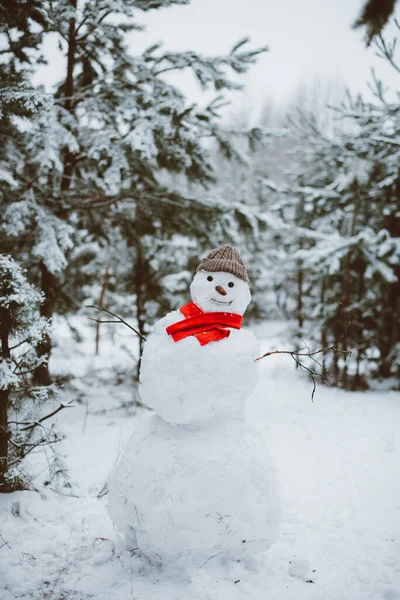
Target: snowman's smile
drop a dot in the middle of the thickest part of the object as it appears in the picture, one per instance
(220, 301)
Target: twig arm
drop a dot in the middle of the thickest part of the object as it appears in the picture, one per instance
(119, 319)
(299, 353)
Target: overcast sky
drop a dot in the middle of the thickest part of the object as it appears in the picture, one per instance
(307, 39)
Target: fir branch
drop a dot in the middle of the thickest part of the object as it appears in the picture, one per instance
(387, 50)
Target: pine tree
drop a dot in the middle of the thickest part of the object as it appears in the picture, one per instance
(95, 159)
(345, 249)
(21, 331)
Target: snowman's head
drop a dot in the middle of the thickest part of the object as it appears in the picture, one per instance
(217, 291)
(221, 282)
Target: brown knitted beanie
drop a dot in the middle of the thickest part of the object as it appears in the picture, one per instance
(226, 259)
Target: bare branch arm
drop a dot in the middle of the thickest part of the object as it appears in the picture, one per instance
(119, 319)
(298, 354)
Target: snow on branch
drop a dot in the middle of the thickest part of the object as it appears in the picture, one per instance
(387, 50)
(210, 70)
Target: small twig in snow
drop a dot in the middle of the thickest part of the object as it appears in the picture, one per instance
(104, 491)
(5, 543)
(208, 559)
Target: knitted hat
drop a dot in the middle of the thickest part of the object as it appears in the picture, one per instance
(226, 259)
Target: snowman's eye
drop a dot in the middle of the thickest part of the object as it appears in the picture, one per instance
(231, 284)
(209, 278)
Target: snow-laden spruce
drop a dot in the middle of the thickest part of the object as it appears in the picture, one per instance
(194, 480)
(22, 330)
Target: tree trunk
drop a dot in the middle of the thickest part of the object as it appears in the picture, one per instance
(4, 434)
(101, 303)
(4, 398)
(335, 362)
(358, 334)
(68, 93)
(347, 277)
(324, 335)
(49, 287)
(389, 331)
(140, 302)
(299, 308)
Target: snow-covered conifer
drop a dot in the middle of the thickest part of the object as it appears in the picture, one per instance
(344, 253)
(22, 329)
(96, 158)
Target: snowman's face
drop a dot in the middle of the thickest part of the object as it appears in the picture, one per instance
(220, 292)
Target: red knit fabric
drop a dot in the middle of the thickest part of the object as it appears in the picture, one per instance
(205, 326)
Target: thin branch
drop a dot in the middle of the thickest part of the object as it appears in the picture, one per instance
(81, 24)
(103, 320)
(313, 374)
(173, 68)
(119, 319)
(298, 353)
(314, 359)
(19, 344)
(295, 354)
(27, 372)
(104, 491)
(387, 51)
(5, 543)
(68, 495)
(93, 28)
(28, 448)
(32, 424)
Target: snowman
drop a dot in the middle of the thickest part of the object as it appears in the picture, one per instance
(195, 481)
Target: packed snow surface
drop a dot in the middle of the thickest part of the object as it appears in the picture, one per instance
(338, 466)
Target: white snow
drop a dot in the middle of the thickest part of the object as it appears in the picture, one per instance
(338, 460)
(8, 377)
(299, 568)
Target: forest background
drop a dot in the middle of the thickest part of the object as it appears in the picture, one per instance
(115, 184)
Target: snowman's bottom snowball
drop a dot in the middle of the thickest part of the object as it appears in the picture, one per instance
(206, 495)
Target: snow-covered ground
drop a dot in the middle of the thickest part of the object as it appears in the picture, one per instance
(338, 460)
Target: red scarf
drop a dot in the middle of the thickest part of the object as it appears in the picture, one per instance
(205, 326)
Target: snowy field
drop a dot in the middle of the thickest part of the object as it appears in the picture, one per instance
(338, 462)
